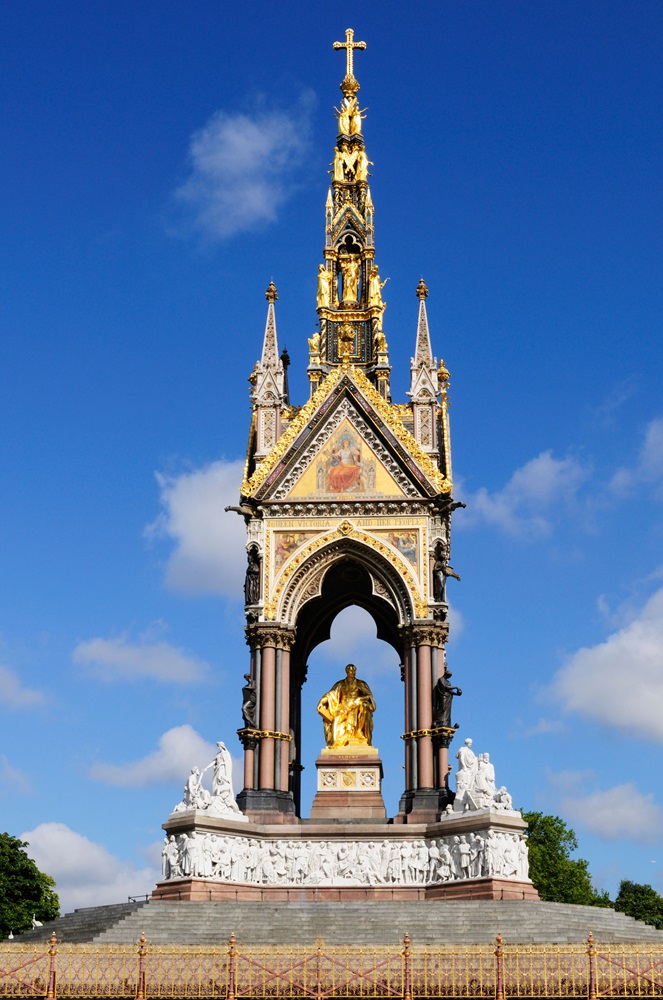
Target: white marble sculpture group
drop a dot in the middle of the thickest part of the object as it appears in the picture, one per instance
(221, 802)
(319, 862)
(475, 783)
(394, 861)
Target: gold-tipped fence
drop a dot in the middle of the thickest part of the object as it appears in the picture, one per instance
(322, 972)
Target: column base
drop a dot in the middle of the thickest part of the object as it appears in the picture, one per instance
(423, 805)
(267, 805)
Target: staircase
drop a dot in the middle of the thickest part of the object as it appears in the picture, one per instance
(355, 923)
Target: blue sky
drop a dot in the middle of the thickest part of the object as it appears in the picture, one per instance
(161, 163)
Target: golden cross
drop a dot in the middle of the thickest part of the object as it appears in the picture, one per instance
(349, 45)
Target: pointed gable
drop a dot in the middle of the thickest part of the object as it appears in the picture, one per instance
(345, 426)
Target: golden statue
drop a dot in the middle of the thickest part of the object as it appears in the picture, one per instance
(351, 271)
(324, 286)
(362, 165)
(347, 711)
(314, 344)
(344, 117)
(380, 341)
(375, 287)
(344, 162)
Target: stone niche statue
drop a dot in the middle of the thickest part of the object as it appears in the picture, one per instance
(443, 695)
(252, 578)
(249, 703)
(441, 570)
(347, 711)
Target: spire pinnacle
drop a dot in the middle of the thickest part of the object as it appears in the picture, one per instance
(349, 85)
(423, 353)
(270, 347)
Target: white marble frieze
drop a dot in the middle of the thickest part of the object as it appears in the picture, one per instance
(281, 862)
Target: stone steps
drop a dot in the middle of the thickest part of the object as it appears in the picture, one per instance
(355, 923)
(84, 924)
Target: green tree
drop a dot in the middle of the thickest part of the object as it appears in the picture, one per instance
(641, 902)
(24, 890)
(557, 876)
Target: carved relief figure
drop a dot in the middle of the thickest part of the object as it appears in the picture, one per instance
(347, 711)
(314, 344)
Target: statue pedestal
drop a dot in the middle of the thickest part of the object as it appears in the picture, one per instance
(349, 785)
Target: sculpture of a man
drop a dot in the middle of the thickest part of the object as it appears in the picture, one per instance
(467, 769)
(441, 570)
(443, 694)
(347, 711)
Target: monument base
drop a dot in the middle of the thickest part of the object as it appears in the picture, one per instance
(472, 855)
(349, 785)
(203, 890)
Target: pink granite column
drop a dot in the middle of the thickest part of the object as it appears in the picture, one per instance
(284, 719)
(424, 717)
(267, 715)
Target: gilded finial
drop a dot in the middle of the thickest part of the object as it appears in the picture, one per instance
(270, 294)
(349, 85)
(422, 290)
(443, 373)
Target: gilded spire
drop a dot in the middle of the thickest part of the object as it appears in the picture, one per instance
(349, 287)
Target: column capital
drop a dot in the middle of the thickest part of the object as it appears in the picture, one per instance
(428, 633)
(259, 635)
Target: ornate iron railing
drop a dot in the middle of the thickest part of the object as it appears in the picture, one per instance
(323, 972)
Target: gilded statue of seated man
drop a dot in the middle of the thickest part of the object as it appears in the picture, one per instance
(347, 711)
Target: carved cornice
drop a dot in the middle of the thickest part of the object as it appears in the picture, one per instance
(260, 635)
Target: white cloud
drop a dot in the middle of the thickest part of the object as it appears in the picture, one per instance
(179, 750)
(119, 659)
(619, 813)
(12, 695)
(619, 682)
(523, 508)
(242, 168)
(12, 779)
(209, 554)
(543, 727)
(86, 873)
(648, 468)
